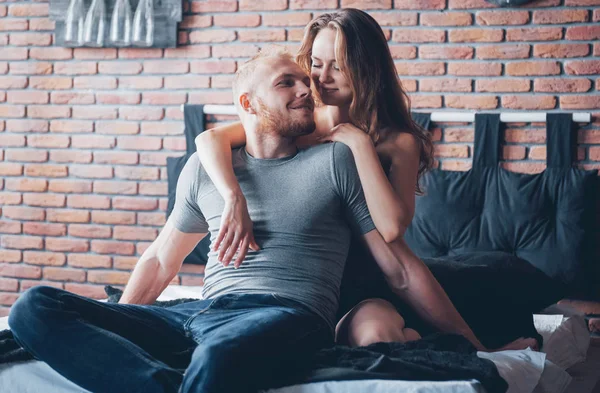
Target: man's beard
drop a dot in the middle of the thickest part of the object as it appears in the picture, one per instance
(276, 122)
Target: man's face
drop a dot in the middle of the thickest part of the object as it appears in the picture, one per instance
(282, 98)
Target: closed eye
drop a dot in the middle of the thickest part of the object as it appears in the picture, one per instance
(285, 83)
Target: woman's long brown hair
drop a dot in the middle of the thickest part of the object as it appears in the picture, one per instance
(378, 100)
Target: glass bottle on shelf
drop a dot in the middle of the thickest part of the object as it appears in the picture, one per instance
(143, 24)
(74, 23)
(120, 25)
(95, 24)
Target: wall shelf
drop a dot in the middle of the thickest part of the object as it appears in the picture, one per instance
(167, 14)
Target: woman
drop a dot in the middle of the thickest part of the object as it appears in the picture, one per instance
(363, 106)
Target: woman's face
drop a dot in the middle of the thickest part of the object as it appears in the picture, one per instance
(325, 73)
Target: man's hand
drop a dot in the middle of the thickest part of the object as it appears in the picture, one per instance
(236, 233)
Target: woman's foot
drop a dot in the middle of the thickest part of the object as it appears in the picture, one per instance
(411, 334)
(520, 343)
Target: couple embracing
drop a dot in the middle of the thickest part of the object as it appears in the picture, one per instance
(281, 207)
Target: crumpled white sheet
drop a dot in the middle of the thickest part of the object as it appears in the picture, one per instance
(385, 386)
(567, 344)
(520, 369)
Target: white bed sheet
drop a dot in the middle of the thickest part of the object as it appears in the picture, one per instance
(525, 371)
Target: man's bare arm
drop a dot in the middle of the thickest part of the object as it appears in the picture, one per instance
(159, 264)
(413, 282)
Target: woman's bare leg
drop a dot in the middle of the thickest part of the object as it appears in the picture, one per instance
(377, 320)
(371, 321)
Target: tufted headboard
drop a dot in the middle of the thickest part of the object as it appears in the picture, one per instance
(544, 218)
(195, 123)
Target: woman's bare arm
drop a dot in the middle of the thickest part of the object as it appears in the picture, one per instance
(214, 151)
(414, 283)
(391, 201)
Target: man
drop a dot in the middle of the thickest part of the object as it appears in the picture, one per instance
(257, 320)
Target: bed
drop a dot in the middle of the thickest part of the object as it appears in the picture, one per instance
(566, 363)
(567, 348)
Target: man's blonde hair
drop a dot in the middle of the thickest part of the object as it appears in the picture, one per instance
(243, 78)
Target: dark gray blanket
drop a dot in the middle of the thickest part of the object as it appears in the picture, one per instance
(438, 357)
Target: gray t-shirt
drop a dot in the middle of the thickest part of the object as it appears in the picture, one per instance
(302, 208)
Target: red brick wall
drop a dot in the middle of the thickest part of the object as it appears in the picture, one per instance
(84, 133)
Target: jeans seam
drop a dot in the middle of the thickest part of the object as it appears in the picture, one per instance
(188, 322)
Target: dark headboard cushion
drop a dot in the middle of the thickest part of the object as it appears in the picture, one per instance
(543, 218)
(195, 123)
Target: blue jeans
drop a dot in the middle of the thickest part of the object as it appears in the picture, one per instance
(233, 343)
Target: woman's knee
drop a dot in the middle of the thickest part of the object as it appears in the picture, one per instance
(375, 320)
(375, 333)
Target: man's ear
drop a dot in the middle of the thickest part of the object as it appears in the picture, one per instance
(246, 104)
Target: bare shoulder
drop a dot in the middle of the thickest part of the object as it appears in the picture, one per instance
(397, 142)
(406, 141)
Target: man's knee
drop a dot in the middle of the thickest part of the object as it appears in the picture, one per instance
(207, 371)
(30, 307)
(210, 369)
